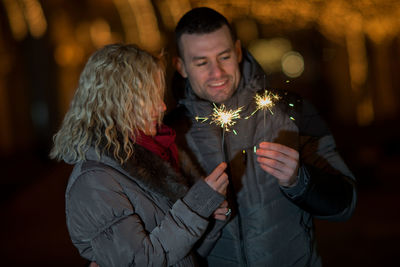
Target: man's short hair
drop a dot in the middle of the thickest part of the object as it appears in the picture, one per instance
(200, 20)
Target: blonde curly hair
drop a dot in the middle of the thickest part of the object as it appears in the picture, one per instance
(119, 89)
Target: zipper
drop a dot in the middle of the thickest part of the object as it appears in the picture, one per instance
(241, 241)
(243, 259)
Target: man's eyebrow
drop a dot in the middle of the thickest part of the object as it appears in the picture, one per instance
(198, 58)
(225, 51)
(203, 57)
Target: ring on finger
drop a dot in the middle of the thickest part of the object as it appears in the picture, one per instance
(228, 212)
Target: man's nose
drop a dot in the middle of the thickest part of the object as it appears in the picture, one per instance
(216, 70)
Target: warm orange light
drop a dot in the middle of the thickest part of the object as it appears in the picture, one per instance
(35, 17)
(68, 55)
(100, 33)
(16, 19)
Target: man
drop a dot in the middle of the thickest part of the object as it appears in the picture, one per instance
(295, 174)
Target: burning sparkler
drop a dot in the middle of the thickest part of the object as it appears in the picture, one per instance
(266, 101)
(225, 118)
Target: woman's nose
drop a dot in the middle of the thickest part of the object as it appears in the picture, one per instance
(163, 106)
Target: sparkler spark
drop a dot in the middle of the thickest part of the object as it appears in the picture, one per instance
(266, 100)
(202, 119)
(225, 118)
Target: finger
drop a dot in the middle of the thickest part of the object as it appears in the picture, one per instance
(283, 179)
(224, 192)
(223, 187)
(223, 178)
(222, 181)
(280, 158)
(277, 155)
(226, 211)
(286, 175)
(221, 210)
(276, 173)
(220, 217)
(279, 147)
(222, 213)
(217, 172)
(224, 204)
(287, 168)
(272, 163)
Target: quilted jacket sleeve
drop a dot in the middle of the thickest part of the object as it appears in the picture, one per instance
(326, 186)
(104, 226)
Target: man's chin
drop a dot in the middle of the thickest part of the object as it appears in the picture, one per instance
(219, 99)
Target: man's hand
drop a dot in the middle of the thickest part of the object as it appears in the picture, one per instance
(222, 212)
(218, 179)
(280, 161)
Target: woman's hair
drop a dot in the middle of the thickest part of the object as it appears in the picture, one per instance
(119, 89)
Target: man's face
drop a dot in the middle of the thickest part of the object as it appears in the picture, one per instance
(211, 63)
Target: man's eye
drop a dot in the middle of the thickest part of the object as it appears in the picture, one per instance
(202, 63)
(226, 57)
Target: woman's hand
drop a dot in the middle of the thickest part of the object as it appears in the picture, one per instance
(218, 179)
(222, 212)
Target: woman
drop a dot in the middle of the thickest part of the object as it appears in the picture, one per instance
(126, 202)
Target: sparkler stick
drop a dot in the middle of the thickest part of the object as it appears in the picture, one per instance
(265, 101)
(224, 118)
(264, 110)
(264, 124)
(223, 145)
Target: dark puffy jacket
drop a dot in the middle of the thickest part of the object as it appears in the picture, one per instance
(138, 214)
(271, 226)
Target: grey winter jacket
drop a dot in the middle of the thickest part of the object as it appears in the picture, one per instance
(272, 225)
(138, 214)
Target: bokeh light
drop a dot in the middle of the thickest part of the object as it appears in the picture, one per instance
(269, 52)
(292, 64)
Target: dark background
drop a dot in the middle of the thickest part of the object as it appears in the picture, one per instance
(351, 53)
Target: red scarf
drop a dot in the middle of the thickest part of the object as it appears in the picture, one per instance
(162, 144)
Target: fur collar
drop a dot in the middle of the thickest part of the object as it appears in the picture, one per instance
(156, 175)
(150, 172)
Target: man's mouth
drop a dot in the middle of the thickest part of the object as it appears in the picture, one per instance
(218, 84)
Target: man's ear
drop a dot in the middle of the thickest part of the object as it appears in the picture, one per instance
(180, 66)
(238, 49)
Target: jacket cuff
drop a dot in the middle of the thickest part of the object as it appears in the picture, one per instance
(211, 238)
(298, 190)
(202, 199)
